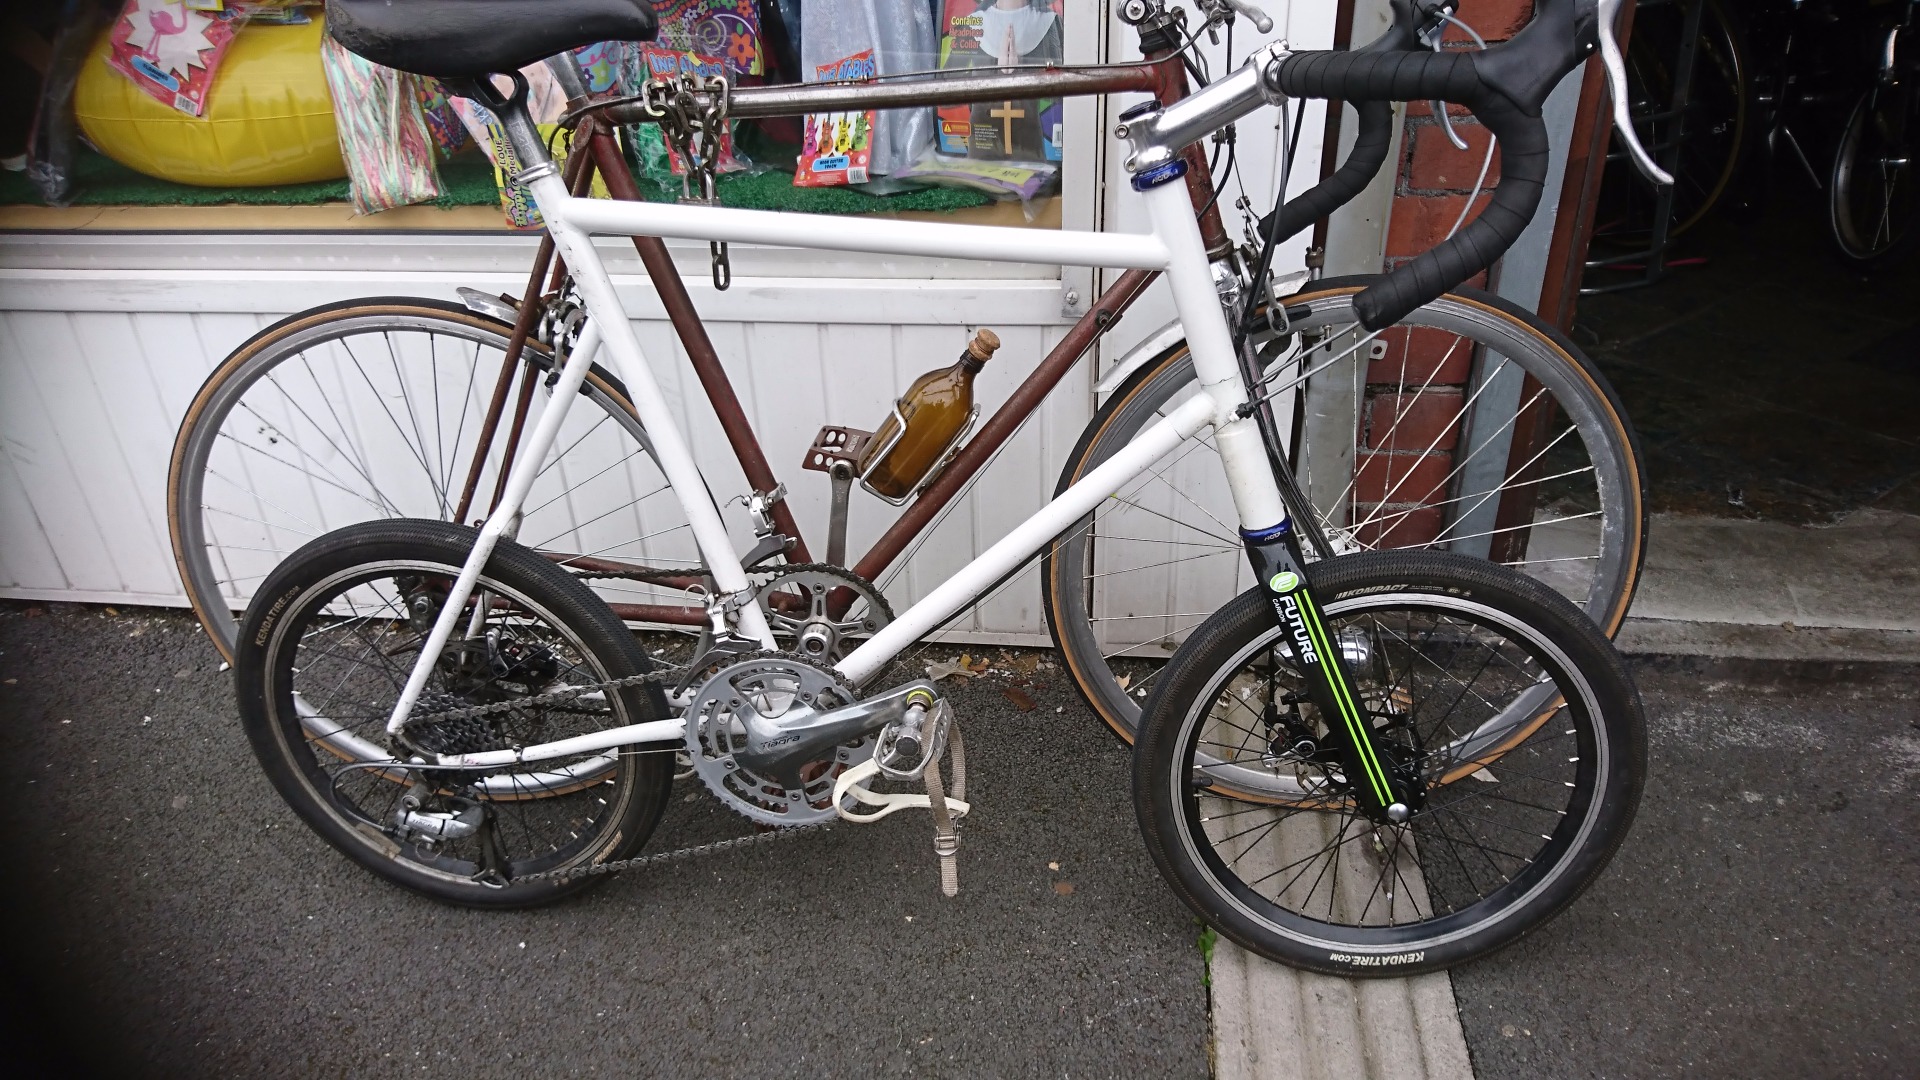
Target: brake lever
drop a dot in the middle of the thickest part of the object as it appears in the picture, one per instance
(1608, 12)
(1253, 14)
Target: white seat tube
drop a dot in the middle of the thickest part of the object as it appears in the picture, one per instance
(630, 364)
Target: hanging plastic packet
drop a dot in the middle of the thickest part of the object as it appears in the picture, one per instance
(897, 36)
(837, 148)
(383, 131)
(603, 65)
(443, 122)
(727, 31)
(546, 103)
(171, 51)
(1007, 180)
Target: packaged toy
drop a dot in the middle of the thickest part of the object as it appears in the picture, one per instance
(1002, 33)
(171, 51)
(837, 148)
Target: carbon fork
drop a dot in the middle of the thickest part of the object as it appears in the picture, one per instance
(1382, 791)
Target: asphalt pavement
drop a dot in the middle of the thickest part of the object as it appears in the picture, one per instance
(1762, 919)
(165, 915)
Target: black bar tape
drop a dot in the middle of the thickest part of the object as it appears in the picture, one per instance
(1452, 77)
(1523, 174)
(1382, 76)
(1372, 138)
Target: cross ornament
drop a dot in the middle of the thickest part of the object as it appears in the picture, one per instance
(1007, 114)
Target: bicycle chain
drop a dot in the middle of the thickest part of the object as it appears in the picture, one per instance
(660, 675)
(713, 847)
(695, 851)
(576, 872)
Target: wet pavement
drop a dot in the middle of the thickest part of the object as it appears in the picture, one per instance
(166, 915)
(1770, 382)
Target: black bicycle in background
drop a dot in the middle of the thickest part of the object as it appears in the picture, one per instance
(1873, 205)
(1724, 94)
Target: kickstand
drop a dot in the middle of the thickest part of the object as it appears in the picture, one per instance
(493, 863)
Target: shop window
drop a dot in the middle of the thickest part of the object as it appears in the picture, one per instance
(188, 104)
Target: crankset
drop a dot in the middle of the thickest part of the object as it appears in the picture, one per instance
(820, 611)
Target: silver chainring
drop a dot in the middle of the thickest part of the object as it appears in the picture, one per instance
(774, 685)
(795, 601)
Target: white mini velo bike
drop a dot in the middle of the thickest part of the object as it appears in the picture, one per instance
(1376, 763)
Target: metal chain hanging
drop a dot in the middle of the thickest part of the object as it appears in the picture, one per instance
(696, 132)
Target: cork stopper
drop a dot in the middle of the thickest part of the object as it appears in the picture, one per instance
(981, 349)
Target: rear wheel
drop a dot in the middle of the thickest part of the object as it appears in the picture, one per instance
(373, 409)
(1873, 202)
(1516, 716)
(1479, 431)
(333, 636)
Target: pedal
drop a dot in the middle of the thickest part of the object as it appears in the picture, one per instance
(836, 444)
(908, 745)
(910, 749)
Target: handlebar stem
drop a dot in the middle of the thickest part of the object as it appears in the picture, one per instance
(1159, 136)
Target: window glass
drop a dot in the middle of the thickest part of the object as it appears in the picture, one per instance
(199, 103)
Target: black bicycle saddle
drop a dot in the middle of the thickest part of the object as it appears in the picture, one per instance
(469, 39)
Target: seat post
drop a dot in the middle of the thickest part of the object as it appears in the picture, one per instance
(528, 147)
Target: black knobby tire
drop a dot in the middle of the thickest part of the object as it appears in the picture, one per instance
(1599, 699)
(633, 787)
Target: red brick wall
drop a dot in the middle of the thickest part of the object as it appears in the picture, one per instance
(1403, 460)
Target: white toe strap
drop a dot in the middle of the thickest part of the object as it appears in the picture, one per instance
(851, 783)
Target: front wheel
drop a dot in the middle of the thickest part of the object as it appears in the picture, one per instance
(1516, 718)
(1467, 427)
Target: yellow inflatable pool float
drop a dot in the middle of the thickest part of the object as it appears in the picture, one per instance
(269, 118)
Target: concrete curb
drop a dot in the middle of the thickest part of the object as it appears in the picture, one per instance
(1272, 1022)
(1769, 642)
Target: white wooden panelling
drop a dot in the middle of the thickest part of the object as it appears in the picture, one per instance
(97, 368)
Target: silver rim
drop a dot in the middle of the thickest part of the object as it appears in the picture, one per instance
(1409, 865)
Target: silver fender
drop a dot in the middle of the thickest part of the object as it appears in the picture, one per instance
(1155, 343)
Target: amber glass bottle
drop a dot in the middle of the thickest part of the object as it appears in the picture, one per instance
(934, 407)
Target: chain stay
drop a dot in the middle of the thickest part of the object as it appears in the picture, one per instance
(552, 697)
